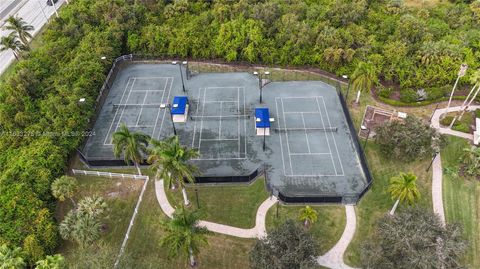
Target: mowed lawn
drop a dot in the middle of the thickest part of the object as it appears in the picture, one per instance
(234, 205)
(461, 197)
(327, 230)
(144, 250)
(377, 202)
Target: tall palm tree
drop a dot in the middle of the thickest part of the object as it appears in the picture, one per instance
(92, 205)
(51, 262)
(403, 188)
(308, 215)
(65, 187)
(183, 235)
(21, 28)
(11, 258)
(10, 42)
(363, 78)
(133, 146)
(170, 161)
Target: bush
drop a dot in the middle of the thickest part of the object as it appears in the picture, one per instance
(408, 96)
(461, 127)
(436, 93)
(384, 92)
(477, 113)
(447, 120)
(407, 140)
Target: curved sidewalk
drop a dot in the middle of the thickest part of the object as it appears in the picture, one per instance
(437, 170)
(256, 232)
(334, 257)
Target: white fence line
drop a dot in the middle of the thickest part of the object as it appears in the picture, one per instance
(108, 174)
(132, 220)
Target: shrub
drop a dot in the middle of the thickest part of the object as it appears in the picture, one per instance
(436, 93)
(446, 121)
(384, 92)
(408, 96)
(477, 113)
(461, 127)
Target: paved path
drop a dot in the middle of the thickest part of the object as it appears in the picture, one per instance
(31, 12)
(256, 232)
(437, 170)
(334, 257)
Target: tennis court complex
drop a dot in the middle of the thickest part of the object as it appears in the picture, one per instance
(309, 150)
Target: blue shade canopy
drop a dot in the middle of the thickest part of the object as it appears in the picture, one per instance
(262, 118)
(179, 105)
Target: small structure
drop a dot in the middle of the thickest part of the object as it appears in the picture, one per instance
(262, 121)
(375, 117)
(179, 109)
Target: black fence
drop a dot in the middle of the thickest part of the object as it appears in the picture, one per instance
(228, 179)
(310, 199)
(356, 142)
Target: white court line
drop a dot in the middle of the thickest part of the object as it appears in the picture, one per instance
(238, 122)
(333, 137)
(158, 111)
(216, 101)
(286, 135)
(123, 109)
(165, 110)
(219, 139)
(201, 123)
(328, 143)
(226, 87)
(304, 112)
(306, 135)
(309, 154)
(219, 159)
(280, 136)
(152, 77)
(220, 122)
(147, 90)
(115, 116)
(244, 121)
(195, 124)
(141, 109)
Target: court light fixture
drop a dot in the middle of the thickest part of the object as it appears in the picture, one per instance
(174, 62)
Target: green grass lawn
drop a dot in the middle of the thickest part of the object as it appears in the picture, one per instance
(121, 196)
(461, 199)
(234, 205)
(144, 250)
(328, 228)
(377, 201)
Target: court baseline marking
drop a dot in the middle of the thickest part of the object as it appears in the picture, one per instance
(130, 90)
(220, 117)
(320, 112)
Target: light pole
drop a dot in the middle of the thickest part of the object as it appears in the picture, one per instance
(260, 81)
(433, 159)
(365, 128)
(196, 195)
(163, 106)
(461, 73)
(348, 87)
(187, 71)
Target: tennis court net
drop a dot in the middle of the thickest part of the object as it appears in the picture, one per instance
(216, 118)
(116, 106)
(326, 129)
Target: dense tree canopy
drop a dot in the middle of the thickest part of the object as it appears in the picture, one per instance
(413, 239)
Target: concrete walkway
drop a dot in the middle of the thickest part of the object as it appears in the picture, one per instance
(334, 257)
(258, 231)
(437, 170)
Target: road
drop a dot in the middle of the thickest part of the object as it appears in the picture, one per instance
(31, 12)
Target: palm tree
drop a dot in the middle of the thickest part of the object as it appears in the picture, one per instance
(65, 187)
(169, 160)
(403, 188)
(11, 258)
(92, 205)
(51, 262)
(132, 145)
(363, 78)
(11, 42)
(183, 235)
(21, 28)
(471, 159)
(308, 215)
